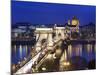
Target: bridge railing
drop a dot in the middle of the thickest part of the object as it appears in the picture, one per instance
(44, 57)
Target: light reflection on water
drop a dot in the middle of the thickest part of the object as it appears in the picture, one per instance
(19, 52)
(84, 50)
(76, 54)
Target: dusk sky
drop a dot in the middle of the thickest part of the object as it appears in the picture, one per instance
(51, 13)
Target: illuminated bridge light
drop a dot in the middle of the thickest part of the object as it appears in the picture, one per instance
(43, 68)
(66, 63)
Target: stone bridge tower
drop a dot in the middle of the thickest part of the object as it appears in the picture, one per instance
(44, 38)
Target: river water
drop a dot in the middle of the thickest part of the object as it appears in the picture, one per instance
(87, 51)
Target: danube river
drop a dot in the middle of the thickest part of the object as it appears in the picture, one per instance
(87, 51)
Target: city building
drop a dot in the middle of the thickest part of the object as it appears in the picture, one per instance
(88, 31)
(72, 28)
(23, 30)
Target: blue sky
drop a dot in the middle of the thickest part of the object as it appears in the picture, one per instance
(51, 13)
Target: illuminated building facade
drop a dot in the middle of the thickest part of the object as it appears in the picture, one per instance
(88, 31)
(72, 28)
